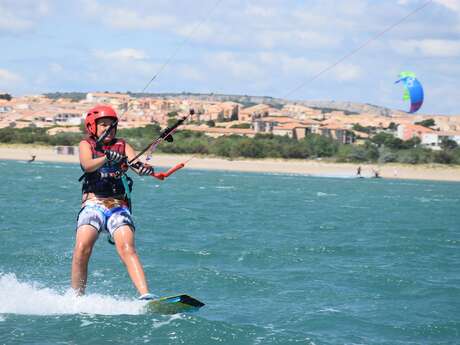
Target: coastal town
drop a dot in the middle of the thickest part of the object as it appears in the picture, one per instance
(218, 118)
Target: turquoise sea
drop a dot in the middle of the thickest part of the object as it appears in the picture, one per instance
(278, 259)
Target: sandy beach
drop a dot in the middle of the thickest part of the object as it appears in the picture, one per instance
(301, 167)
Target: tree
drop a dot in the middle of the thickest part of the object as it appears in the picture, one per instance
(241, 125)
(360, 128)
(234, 116)
(415, 156)
(6, 96)
(386, 155)
(444, 157)
(426, 123)
(387, 140)
(448, 144)
(412, 142)
(357, 154)
(320, 146)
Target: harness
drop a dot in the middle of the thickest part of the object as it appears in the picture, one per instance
(109, 180)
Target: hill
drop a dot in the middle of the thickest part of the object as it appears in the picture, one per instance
(350, 108)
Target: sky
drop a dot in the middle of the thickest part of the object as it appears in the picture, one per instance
(279, 48)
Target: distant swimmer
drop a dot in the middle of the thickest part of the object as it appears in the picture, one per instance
(31, 159)
(358, 171)
(376, 173)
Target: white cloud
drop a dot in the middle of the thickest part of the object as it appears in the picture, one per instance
(125, 68)
(206, 32)
(127, 17)
(298, 67)
(271, 26)
(55, 67)
(270, 39)
(125, 54)
(428, 47)
(191, 73)
(347, 72)
(305, 69)
(238, 66)
(21, 16)
(8, 22)
(260, 11)
(273, 70)
(453, 5)
(327, 14)
(7, 78)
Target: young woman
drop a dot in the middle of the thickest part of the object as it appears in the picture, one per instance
(105, 200)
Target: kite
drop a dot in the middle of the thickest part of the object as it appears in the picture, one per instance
(413, 90)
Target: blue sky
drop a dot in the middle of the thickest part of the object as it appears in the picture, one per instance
(252, 47)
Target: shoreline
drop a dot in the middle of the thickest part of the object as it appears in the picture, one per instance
(435, 172)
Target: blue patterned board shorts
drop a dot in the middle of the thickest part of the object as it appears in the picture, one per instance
(105, 215)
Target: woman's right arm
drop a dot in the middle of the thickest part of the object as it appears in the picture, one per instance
(88, 163)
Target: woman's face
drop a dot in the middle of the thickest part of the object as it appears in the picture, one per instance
(102, 125)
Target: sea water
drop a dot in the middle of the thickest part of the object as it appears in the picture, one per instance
(278, 259)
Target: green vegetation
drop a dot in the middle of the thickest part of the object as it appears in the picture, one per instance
(35, 135)
(241, 125)
(382, 148)
(426, 123)
(448, 144)
(172, 114)
(359, 128)
(75, 96)
(325, 110)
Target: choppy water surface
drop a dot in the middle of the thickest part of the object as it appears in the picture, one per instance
(278, 259)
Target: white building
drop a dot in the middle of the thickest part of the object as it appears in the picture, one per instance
(433, 140)
(69, 118)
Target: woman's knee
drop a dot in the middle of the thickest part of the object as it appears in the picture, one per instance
(124, 241)
(82, 251)
(86, 237)
(126, 249)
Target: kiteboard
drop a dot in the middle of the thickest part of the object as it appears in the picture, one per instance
(174, 304)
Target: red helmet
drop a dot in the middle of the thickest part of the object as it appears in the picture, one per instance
(98, 112)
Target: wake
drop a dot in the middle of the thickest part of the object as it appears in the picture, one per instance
(32, 299)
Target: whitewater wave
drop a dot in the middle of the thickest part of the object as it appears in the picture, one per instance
(27, 298)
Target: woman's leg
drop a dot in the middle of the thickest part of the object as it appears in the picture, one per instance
(84, 242)
(124, 242)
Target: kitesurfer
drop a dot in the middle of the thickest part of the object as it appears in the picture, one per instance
(106, 198)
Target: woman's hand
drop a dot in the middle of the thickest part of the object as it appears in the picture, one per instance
(140, 168)
(145, 169)
(114, 156)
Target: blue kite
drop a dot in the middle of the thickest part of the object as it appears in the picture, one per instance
(413, 90)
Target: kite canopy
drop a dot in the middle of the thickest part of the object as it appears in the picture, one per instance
(413, 90)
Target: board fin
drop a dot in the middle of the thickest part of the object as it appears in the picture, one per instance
(174, 304)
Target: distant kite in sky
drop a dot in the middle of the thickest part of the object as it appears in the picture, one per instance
(413, 90)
